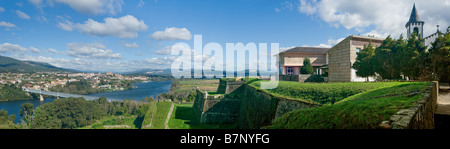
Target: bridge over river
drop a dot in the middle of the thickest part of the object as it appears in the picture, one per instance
(64, 95)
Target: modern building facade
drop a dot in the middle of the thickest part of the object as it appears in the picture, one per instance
(342, 56)
(290, 61)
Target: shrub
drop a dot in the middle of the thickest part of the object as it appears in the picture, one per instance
(307, 67)
(315, 78)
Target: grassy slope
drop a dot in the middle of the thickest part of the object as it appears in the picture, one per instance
(115, 120)
(162, 109)
(209, 85)
(183, 117)
(362, 111)
(159, 117)
(320, 93)
(148, 118)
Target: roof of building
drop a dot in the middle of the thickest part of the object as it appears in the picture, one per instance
(414, 15)
(313, 50)
(366, 37)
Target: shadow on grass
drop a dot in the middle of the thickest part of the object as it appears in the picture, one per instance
(187, 114)
(138, 122)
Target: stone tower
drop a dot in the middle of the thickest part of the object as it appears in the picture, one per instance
(414, 25)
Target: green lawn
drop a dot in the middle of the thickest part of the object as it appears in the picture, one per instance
(320, 93)
(183, 117)
(365, 110)
(162, 110)
(210, 85)
(132, 121)
(150, 114)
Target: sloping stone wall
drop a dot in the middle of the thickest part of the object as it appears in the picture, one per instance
(222, 111)
(259, 108)
(295, 78)
(199, 103)
(421, 116)
(211, 110)
(227, 87)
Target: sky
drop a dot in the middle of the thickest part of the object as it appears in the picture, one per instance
(123, 36)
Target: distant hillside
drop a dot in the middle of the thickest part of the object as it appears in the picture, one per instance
(150, 72)
(8, 64)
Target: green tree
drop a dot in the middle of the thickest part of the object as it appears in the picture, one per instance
(440, 57)
(364, 62)
(26, 112)
(414, 59)
(307, 67)
(7, 122)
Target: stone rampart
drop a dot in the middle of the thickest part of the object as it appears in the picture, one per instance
(421, 116)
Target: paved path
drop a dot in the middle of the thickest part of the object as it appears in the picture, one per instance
(166, 123)
(443, 100)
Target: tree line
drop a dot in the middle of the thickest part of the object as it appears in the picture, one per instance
(10, 92)
(406, 59)
(72, 113)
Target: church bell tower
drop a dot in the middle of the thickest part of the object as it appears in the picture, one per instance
(414, 25)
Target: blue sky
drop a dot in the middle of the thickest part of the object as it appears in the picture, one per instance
(120, 36)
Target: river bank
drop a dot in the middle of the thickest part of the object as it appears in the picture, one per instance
(148, 89)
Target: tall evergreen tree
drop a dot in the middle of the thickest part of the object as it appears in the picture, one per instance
(307, 67)
(414, 58)
(440, 57)
(26, 112)
(386, 58)
(364, 64)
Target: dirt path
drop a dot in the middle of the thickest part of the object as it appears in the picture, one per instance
(166, 123)
(443, 100)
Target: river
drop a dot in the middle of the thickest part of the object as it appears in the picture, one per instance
(139, 92)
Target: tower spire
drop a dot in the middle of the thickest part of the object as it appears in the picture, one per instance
(414, 25)
(414, 15)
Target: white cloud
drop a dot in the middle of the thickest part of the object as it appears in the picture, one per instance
(10, 48)
(307, 7)
(95, 50)
(67, 26)
(160, 61)
(35, 50)
(285, 6)
(141, 4)
(277, 10)
(123, 27)
(7, 24)
(22, 15)
(331, 43)
(164, 51)
(82, 64)
(386, 17)
(2, 9)
(52, 50)
(36, 2)
(91, 7)
(131, 45)
(41, 18)
(376, 34)
(172, 34)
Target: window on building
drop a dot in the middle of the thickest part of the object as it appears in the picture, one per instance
(290, 71)
(416, 31)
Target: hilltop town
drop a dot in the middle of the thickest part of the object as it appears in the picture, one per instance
(47, 81)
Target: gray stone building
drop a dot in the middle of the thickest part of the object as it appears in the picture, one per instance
(342, 56)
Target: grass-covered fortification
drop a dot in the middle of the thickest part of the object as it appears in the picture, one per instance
(319, 93)
(367, 106)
